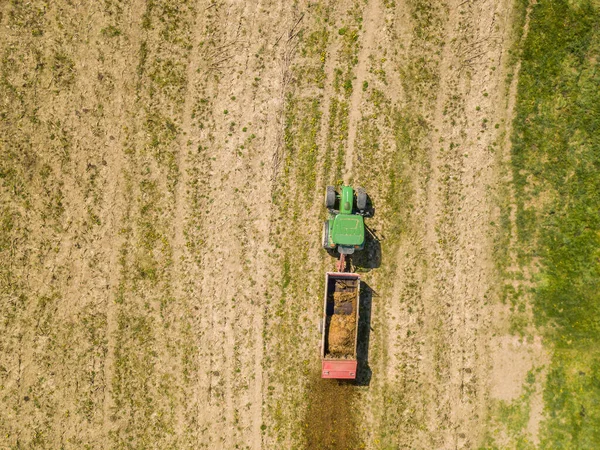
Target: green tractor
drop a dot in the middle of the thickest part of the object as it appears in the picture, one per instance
(344, 231)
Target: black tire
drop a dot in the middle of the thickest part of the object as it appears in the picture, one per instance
(330, 197)
(361, 199)
(325, 241)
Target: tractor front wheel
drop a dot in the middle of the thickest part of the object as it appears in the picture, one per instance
(330, 197)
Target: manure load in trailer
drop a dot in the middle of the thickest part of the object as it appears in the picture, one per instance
(340, 325)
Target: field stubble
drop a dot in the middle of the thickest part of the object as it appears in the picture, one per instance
(162, 171)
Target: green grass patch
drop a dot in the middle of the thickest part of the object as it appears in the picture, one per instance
(556, 157)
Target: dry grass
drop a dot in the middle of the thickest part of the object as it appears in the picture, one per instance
(162, 168)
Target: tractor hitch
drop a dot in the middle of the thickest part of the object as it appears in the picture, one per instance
(341, 265)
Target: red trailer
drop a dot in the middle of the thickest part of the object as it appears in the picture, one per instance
(339, 325)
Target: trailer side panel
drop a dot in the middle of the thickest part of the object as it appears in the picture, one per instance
(340, 325)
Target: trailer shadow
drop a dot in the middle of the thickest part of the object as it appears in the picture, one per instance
(331, 420)
(363, 375)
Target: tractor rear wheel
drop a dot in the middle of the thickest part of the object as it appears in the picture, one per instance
(361, 199)
(326, 235)
(330, 197)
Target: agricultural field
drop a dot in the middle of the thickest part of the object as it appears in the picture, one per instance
(162, 171)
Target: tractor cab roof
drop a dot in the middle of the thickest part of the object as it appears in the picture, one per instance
(348, 229)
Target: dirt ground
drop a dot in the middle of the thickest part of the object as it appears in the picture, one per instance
(162, 170)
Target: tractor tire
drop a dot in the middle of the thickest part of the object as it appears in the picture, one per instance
(325, 241)
(361, 199)
(330, 197)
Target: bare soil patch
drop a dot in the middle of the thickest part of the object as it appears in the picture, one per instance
(512, 359)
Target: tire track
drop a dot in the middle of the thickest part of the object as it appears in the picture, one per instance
(431, 321)
(116, 198)
(372, 19)
(459, 210)
(234, 129)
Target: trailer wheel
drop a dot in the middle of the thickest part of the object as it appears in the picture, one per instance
(330, 197)
(361, 198)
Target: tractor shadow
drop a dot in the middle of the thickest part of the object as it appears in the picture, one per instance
(370, 257)
(363, 372)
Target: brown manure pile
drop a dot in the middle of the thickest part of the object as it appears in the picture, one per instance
(342, 325)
